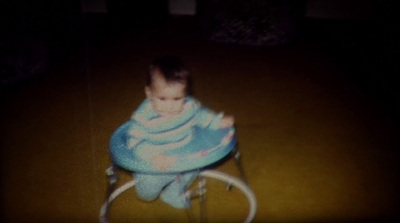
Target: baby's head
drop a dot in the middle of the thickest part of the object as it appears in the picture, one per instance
(167, 85)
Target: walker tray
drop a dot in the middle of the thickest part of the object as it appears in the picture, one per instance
(204, 149)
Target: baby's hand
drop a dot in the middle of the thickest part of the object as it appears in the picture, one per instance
(162, 162)
(227, 121)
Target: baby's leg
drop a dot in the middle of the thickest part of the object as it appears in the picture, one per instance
(174, 194)
(149, 186)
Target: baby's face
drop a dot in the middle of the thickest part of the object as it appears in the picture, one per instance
(167, 98)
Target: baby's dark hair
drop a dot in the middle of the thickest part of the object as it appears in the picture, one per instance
(172, 68)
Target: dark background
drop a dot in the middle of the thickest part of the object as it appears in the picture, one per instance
(363, 38)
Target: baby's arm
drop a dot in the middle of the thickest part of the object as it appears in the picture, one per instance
(210, 119)
(227, 121)
(134, 136)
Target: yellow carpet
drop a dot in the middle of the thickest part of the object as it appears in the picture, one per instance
(315, 148)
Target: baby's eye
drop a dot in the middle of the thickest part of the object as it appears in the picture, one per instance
(177, 99)
(162, 99)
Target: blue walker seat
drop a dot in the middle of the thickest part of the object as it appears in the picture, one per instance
(207, 147)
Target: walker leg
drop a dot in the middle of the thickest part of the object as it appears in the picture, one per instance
(236, 155)
(112, 174)
(202, 194)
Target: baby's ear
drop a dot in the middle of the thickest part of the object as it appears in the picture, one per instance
(147, 91)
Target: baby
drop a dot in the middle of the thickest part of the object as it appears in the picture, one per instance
(165, 120)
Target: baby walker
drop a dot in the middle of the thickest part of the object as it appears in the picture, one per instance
(206, 149)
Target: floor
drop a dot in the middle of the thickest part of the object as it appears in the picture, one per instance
(316, 146)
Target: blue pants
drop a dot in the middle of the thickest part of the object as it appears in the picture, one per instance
(170, 187)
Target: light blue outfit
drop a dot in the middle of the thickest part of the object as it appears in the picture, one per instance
(193, 137)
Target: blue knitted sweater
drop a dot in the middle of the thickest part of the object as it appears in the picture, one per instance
(153, 134)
